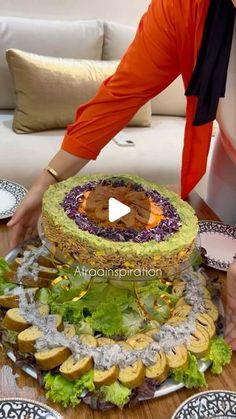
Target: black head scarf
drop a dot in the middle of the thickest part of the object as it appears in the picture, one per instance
(209, 77)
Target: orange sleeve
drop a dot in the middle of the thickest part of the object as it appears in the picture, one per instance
(148, 67)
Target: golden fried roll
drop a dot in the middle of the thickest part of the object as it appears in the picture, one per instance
(51, 358)
(211, 309)
(205, 321)
(9, 301)
(12, 301)
(59, 322)
(88, 340)
(153, 332)
(175, 320)
(182, 301)
(133, 375)
(182, 311)
(69, 331)
(160, 370)
(199, 342)
(124, 345)
(178, 288)
(139, 341)
(28, 281)
(13, 320)
(177, 357)
(44, 272)
(106, 377)
(72, 369)
(105, 341)
(45, 261)
(27, 339)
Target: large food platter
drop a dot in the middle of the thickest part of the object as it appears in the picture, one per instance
(169, 386)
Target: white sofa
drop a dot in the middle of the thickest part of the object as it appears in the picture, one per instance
(157, 152)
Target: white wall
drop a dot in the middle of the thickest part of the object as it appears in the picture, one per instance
(122, 11)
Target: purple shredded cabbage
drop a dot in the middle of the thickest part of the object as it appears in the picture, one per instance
(145, 391)
(167, 227)
(94, 400)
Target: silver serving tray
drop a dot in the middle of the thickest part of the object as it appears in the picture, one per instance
(169, 386)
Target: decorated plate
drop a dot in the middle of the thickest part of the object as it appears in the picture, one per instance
(219, 241)
(169, 386)
(23, 408)
(214, 404)
(11, 194)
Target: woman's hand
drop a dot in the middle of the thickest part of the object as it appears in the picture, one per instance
(230, 330)
(23, 224)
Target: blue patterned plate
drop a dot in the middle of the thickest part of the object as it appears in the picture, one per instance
(26, 409)
(215, 404)
(11, 194)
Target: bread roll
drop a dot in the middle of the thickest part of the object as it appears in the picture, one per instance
(133, 375)
(107, 377)
(158, 371)
(72, 369)
(27, 339)
(199, 342)
(51, 358)
(177, 357)
(139, 341)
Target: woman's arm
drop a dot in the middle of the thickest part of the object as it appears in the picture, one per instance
(148, 67)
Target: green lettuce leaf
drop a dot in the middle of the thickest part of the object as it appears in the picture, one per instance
(157, 294)
(190, 375)
(116, 393)
(4, 267)
(132, 323)
(105, 293)
(43, 295)
(196, 259)
(83, 327)
(68, 393)
(220, 354)
(71, 311)
(157, 289)
(61, 295)
(4, 285)
(8, 338)
(107, 319)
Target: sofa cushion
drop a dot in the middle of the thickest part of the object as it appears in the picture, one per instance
(171, 101)
(117, 38)
(49, 90)
(67, 39)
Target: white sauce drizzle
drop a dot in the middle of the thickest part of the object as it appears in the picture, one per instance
(29, 266)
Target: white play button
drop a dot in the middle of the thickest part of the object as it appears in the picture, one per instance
(116, 209)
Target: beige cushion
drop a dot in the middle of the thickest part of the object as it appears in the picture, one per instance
(171, 101)
(67, 39)
(117, 38)
(49, 90)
